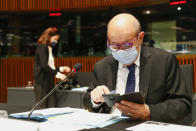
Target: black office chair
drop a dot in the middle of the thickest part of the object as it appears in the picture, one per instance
(188, 76)
(84, 78)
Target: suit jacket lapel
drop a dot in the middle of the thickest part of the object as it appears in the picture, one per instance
(145, 68)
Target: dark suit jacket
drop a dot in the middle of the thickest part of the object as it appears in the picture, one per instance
(42, 71)
(160, 81)
(44, 76)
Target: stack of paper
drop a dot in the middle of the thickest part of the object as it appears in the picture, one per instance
(62, 119)
(79, 120)
(84, 117)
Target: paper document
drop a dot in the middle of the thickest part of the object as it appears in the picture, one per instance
(159, 126)
(66, 125)
(44, 114)
(70, 119)
(84, 117)
(79, 120)
(82, 89)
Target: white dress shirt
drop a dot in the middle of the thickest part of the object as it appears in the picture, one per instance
(121, 81)
(51, 63)
(50, 58)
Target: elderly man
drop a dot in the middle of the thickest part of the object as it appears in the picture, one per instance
(133, 68)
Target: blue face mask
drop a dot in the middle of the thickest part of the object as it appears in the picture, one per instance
(125, 57)
(54, 42)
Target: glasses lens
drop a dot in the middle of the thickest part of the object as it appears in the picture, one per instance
(114, 47)
(127, 46)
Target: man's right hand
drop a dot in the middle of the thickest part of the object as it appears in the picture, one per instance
(96, 94)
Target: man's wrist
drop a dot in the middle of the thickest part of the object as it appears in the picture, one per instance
(147, 114)
(95, 104)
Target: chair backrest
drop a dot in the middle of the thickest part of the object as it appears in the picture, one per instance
(84, 78)
(188, 76)
(187, 71)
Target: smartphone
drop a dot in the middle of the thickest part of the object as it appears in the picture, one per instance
(111, 99)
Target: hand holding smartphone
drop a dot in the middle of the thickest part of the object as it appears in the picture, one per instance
(111, 99)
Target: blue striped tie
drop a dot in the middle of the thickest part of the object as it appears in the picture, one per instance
(130, 87)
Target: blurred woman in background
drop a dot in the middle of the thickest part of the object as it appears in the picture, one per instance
(44, 68)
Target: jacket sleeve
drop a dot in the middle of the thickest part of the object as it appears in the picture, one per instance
(87, 99)
(178, 102)
(43, 55)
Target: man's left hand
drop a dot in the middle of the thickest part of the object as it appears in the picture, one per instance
(134, 110)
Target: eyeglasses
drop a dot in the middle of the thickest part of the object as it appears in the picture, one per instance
(126, 46)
